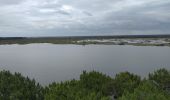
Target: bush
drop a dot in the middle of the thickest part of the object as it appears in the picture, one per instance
(91, 86)
(161, 77)
(96, 81)
(125, 81)
(17, 87)
(146, 91)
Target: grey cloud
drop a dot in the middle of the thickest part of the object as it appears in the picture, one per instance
(10, 2)
(62, 12)
(138, 20)
(82, 17)
(87, 13)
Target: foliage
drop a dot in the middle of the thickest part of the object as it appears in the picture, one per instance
(17, 87)
(91, 86)
(96, 81)
(161, 77)
(146, 91)
(125, 81)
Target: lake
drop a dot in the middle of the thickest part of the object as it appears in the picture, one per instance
(50, 62)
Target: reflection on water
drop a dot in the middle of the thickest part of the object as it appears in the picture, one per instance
(50, 62)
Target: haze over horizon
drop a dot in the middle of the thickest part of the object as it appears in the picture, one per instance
(26, 18)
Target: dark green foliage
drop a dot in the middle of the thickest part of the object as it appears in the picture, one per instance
(17, 87)
(146, 91)
(96, 81)
(126, 81)
(91, 86)
(161, 77)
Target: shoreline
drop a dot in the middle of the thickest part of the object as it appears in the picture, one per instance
(87, 41)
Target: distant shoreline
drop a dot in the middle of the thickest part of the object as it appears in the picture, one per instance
(137, 40)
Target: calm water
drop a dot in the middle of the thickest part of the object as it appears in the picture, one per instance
(48, 62)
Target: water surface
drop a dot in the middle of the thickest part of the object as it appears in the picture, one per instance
(49, 62)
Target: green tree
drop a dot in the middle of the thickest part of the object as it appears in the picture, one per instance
(96, 81)
(161, 77)
(17, 87)
(146, 91)
(125, 81)
(91, 86)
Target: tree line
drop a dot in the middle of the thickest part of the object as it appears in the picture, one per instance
(91, 86)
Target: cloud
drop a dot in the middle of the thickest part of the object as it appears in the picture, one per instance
(10, 2)
(87, 13)
(82, 17)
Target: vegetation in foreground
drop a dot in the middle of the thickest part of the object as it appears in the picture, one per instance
(91, 86)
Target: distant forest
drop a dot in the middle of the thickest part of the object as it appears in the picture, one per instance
(91, 86)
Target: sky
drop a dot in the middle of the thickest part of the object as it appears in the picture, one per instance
(83, 17)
